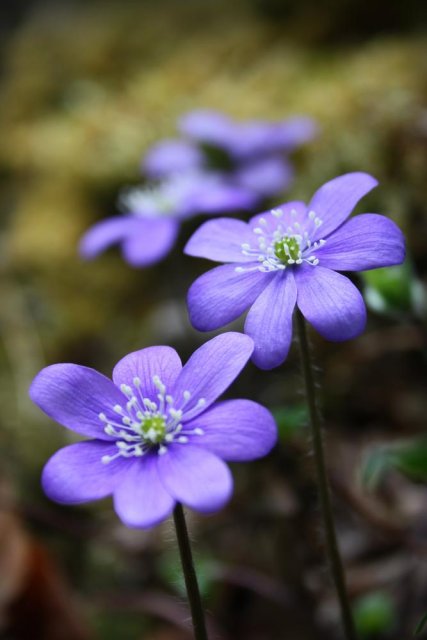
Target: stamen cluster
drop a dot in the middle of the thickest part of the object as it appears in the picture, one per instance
(149, 201)
(283, 243)
(145, 424)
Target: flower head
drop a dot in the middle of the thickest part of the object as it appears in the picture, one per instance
(158, 436)
(290, 256)
(252, 154)
(246, 139)
(150, 225)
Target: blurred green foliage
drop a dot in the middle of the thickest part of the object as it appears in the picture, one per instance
(374, 614)
(421, 625)
(290, 420)
(410, 458)
(395, 290)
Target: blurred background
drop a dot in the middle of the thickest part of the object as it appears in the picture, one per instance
(85, 89)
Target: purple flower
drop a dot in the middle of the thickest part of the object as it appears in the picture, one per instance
(150, 226)
(253, 154)
(290, 256)
(246, 139)
(158, 436)
(172, 156)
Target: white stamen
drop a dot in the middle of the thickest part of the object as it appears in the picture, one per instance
(159, 384)
(145, 424)
(277, 213)
(294, 237)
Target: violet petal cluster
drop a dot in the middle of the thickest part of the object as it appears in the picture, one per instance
(253, 154)
(250, 163)
(289, 257)
(152, 216)
(158, 436)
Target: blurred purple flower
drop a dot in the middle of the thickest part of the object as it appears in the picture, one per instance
(149, 229)
(159, 437)
(169, 157)
(247, 139)
(290, 256)
(253, 153)
(173, 156)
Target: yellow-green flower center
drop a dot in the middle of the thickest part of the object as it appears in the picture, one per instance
(153, 428)
(287, 250)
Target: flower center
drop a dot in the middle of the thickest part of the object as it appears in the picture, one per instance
(283, 239)
(148, 202)
(288, 250)
(144, 425)
(153, 428)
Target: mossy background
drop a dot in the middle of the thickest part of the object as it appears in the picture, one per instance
(86, 89)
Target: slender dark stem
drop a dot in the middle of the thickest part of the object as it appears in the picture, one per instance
(193, 592)
(322, 478)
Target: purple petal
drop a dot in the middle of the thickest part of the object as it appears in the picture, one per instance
(269, 321)
(220, 240)
(106, 233)
(222, 295)
(206, 125)
(77, 474)
(218, 196)
(266, 176)
(74, 396)
(330, 302)
(236, 430)
(293, 132)
(140, 498)
(252, 139)
(145, 364)
(195, 477)
(150, 242)
(336, 199)
(367, 241)
(171, 156)
(211, 369)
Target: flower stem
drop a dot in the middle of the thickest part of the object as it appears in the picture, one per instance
(325, 499)
(191, 583)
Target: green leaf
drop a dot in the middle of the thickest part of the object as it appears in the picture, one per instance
(411, 459)
(374, 614)
(374, 466)
(394, 290)
(290, 420)
(420, 626)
